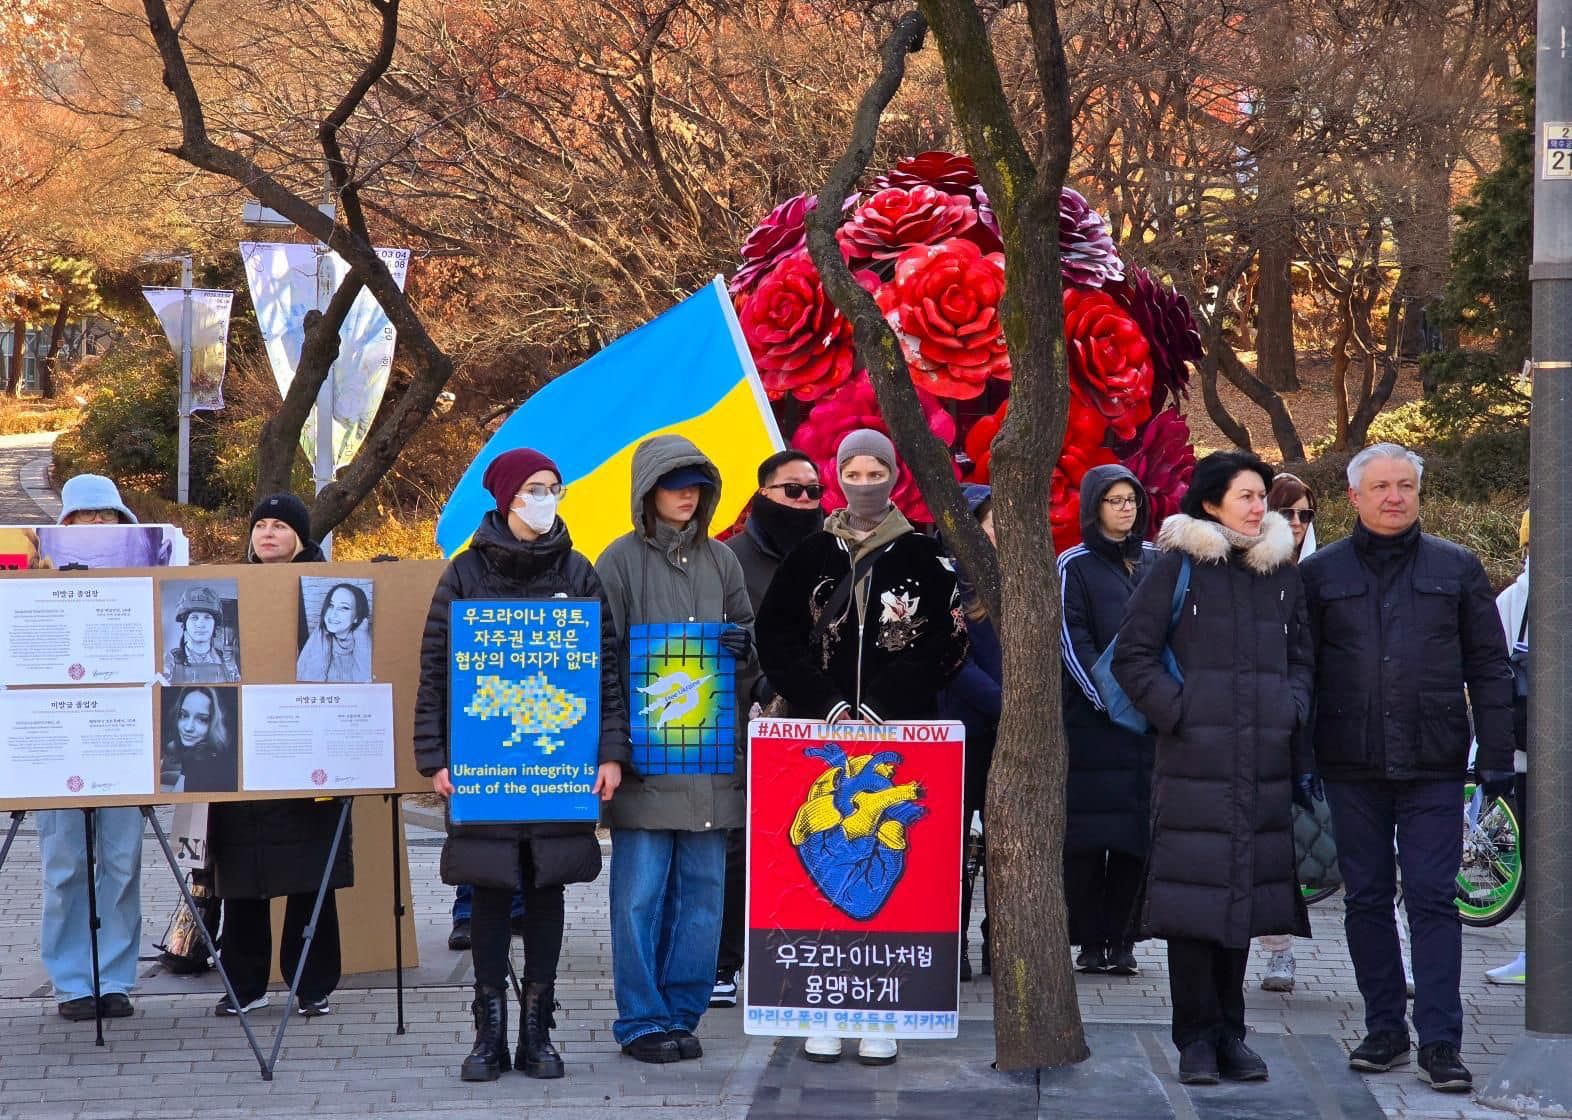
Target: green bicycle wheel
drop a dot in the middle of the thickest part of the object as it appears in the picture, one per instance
(1490, 879)
(1313, 895)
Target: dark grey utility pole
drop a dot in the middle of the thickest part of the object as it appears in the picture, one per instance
(1535, 1078)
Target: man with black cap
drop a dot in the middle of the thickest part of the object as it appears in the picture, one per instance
(784, 512)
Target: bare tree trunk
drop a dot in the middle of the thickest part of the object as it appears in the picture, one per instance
(1236, 433)
(1391, 359)
(1274, 314)
(1345, 330)
(1036, 1016)
(1289, 445)
(1273, 232)
(398, 420)
(18, 356)
(46, 374)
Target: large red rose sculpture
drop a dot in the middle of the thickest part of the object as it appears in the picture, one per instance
(894, 220)
(944, 307)
(1110, 361)
(801, 343)
(924, 241)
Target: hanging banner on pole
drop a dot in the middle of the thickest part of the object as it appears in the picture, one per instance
(209, 337)
(283, 283)
(854, 878)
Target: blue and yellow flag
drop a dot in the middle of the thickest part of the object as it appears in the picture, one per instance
(687, 372)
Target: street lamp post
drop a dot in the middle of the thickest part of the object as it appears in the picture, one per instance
(183, 408)
(183, 474)
(1535, 1078)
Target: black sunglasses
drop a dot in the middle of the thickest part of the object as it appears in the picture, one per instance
(1305, 516)
(795, 490)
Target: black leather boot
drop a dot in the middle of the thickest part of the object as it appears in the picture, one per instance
(489, 1059)
(537, 1057)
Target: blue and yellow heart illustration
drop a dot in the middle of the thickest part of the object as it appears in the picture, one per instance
(851, 831)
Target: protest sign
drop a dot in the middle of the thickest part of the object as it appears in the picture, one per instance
(523, 709)
(854, 877)
(682, 699)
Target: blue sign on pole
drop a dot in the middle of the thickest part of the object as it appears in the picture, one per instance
(523, 710)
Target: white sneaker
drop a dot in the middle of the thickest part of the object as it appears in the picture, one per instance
(876, 1051)
(724, 994)
(1514, 973)
(822, 1048)
(1279, 974)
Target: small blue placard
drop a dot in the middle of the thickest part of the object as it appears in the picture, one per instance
(523, 710)
(682, 687)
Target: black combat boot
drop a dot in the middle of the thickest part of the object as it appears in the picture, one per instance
(489, 1059)
(537, 1057)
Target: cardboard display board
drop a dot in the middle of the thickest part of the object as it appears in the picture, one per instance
(267, 622)
(854, 878)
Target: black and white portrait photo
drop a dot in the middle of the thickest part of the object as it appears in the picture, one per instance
(335, 631)
(201, 631)
(199, 745)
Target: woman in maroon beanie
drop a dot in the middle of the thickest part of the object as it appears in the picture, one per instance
(520, 550)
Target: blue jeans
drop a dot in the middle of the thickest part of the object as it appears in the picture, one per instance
(66, 942)
(464, 903)
(1427, 820)
(667, 891)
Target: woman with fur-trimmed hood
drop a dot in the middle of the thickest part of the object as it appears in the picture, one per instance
(1221, 869)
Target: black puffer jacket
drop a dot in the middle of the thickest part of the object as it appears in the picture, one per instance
(497, 565)
(1401, 626)
(266, 849)
(893, 647)
(1108, 794)
(1222, 859)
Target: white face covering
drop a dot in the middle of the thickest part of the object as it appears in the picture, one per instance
(538, 513)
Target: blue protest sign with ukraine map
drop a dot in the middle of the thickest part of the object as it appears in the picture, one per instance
(523, 710)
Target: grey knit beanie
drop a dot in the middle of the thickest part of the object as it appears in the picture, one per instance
(867, 441)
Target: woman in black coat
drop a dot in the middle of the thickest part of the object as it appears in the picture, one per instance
(1222, 860)
(520, 551)
(1108, 792)
(262, 850)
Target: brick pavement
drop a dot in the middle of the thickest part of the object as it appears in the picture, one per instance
(175, 1059)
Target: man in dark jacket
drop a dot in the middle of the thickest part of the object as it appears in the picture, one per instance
(784, 512)
(1403, 623)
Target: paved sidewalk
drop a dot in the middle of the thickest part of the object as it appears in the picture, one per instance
(25, 494)
(176, 1060)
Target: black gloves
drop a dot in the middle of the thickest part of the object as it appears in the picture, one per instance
(1496, 784)
(1307, 791)
(736, 641)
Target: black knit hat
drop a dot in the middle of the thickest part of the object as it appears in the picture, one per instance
(1212, 475)
(288, 509)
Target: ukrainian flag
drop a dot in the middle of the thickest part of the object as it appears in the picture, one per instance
(687, 372)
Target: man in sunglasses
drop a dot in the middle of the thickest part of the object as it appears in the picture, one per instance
(784, 513)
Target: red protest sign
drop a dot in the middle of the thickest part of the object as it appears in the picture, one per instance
(854, 877)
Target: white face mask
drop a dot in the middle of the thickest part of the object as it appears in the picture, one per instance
(540, 514)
